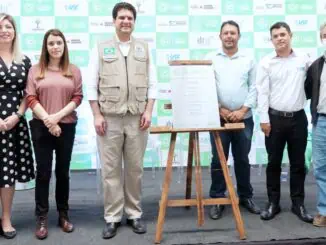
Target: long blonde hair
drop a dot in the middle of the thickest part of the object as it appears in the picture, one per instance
(15, 49)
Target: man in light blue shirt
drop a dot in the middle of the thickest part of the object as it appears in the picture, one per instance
(234, 76)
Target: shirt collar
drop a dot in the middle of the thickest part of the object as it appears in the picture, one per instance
(222, 53)
(292, 54)
(120, 42)
(325, 56)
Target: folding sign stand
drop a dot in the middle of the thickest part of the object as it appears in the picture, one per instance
(200, 202)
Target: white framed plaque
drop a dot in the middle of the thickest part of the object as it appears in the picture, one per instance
(194, 96)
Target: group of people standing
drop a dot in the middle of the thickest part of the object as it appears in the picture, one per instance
(279, 86)
(52, 89)
(122, 91)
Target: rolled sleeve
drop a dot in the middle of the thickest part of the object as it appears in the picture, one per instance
(32, 101)
(78, 95)
(30, 90)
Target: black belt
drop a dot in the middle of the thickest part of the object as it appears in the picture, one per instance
(322, 114)
(284, 113)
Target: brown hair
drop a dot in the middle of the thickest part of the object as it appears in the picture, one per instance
(45, 57)
(279, 25)
(17, 55)
(231, 23)
(123, 5)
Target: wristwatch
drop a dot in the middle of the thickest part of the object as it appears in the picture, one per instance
(20, 116)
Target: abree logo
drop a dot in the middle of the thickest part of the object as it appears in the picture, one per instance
(173, 57)
(301, 22)
(71, 7)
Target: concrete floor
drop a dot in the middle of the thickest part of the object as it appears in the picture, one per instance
(86, 211)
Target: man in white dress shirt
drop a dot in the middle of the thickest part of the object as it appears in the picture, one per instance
(281, 100)
(121, 94)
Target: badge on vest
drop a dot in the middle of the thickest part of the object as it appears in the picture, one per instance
(109, 53)
(140, 51)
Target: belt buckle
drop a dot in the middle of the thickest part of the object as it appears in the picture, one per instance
(288, 114)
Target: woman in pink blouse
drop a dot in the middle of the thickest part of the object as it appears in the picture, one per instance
(54, 90)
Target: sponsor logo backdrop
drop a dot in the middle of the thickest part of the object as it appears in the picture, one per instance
(182, 29)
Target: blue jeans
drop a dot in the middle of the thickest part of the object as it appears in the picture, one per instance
(319, 160)
(241, 144)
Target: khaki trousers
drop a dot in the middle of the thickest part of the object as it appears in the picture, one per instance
(122, 187)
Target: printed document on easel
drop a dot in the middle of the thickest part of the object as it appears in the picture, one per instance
(194, 97)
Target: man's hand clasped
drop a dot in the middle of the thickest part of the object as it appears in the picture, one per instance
(232, 116)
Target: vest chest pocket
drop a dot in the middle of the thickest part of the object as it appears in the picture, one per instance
(140, 65)
(109, 93)
(110, 66)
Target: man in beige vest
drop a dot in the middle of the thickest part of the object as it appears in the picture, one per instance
(121, 93)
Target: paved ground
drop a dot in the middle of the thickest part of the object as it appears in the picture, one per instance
(180, 226)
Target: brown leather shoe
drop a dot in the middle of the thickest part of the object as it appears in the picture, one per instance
(65, 223)
(41, 231)
(319, 221)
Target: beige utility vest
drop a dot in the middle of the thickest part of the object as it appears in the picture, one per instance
(123, 82)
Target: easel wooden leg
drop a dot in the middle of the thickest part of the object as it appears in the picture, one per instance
(165, 190)
(189, 166)
(229, 185)
(199, 190)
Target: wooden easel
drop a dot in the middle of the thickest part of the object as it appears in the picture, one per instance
(200, 202)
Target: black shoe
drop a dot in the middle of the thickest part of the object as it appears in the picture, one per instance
(7, 234)
(301, 212)
(216, 211)
(249, 204)
(272, 209)
(138, 225)
(110, 230)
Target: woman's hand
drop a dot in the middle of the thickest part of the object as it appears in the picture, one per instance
(52, 120)
(11, 121)
(55, 130)
(3, 125)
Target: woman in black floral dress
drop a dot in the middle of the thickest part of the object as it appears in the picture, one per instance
(16, 158)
